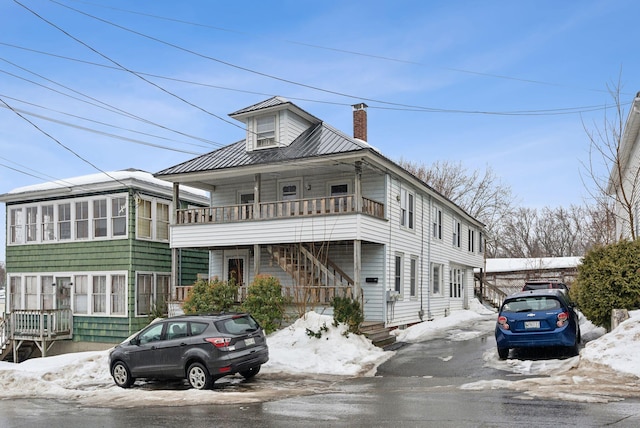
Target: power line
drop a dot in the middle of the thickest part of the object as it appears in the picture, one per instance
(58, 142)
(345, 51)
(252, 71)
(102, 105)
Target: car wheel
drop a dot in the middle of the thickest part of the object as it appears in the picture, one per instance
(503, 353)
(121, 375)
(199, 377)
(248, 374)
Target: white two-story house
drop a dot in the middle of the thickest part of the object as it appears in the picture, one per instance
(327, 214)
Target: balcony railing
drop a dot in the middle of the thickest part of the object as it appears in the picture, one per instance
(280, 209)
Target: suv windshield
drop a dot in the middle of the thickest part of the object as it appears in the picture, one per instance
(529, 304)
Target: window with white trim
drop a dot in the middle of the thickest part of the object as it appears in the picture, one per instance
(413, 282)
(31, 293)
(398, 272)
(437, 279)
(80, 294)
(152, 219)
(47, 291)
(471, 242)
(16, 222)
(457, 230)
(15, 293)
(480, 242)
(407, 209)
(48, 231)
(64, 221)
(456, 283)
(265, 131)
(99, 295)
(143, 223)
(162, 221)
(152, 292)
(119, 216)
(82, 220)
(118, 294)
(31, 223)
(100, 218)
(437, 222)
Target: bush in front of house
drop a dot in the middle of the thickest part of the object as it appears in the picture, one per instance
(211, 296)
(265, 302)
(347, 311)
(608, 278)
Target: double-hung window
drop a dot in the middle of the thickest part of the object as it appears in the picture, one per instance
(82, 220)
(47, 223)
(32, 224)
(457, 229)
(162, 221)
(407, 209)
(413, 282)
(437, 222)
(471, 243)
(16, 226)
(436, 278)
(64, 221)
(99, 218)
(398, 273)
(266, 131)
(119, 216)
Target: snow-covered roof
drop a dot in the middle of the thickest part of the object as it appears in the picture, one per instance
(515, 265)
(102, 181)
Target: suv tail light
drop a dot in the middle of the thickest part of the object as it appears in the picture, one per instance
(502, 320)
(219, 342)
(562, 318)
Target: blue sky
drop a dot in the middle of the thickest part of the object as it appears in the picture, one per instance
(481, 83)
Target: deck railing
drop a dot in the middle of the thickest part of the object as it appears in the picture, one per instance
(41, 324)
(280, 209)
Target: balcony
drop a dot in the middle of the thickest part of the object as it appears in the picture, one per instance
(280, 209)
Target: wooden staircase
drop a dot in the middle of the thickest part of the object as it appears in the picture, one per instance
(377, 333)
(317, 280)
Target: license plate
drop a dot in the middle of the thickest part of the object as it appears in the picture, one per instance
(250, 341)
(532, 324)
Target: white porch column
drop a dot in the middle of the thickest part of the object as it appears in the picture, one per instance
(174, 251)
(357, 271)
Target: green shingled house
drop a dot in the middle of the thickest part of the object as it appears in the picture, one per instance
(88, 260)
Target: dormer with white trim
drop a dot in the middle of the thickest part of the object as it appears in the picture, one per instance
(275, 122)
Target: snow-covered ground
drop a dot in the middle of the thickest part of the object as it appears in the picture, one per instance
(608, 367)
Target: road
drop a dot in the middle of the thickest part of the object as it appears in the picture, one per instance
(418, 387)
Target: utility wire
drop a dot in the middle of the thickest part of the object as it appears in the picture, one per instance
(543, 112)
(249, 70)
(58, 142)
(333, 49)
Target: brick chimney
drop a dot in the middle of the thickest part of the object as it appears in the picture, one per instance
(360, 121)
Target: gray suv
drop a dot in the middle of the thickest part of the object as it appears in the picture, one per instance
(199, 348)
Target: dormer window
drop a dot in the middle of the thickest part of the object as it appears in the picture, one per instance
(266, 131)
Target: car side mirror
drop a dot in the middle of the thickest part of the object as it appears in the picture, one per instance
(135, 341)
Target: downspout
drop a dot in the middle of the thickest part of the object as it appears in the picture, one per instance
(429, 316)
(421, 312)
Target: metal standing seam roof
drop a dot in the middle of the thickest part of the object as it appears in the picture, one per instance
(318, 140)
(271, 102)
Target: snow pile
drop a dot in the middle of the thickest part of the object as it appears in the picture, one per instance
(442, 327)
(293, 350)
(619, 350)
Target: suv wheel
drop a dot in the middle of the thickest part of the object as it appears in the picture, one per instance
(199, 377)
(248, 374)
(121, 375)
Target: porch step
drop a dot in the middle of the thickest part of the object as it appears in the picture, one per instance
(377, 333)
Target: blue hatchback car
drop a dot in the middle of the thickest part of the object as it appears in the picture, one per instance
(536, 319)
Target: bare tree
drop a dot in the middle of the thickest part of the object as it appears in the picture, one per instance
(621, 178)
(480, 193)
